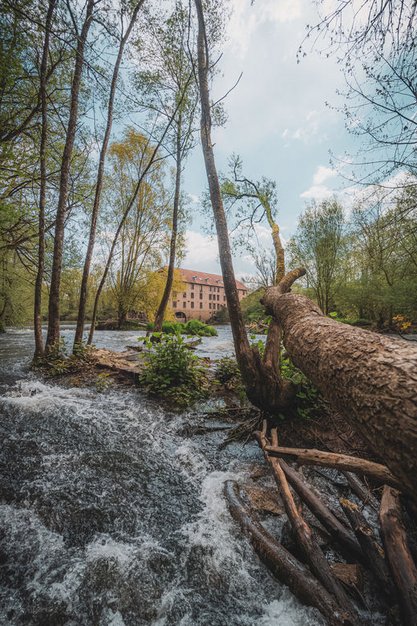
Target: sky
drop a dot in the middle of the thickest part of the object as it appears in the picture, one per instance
(278, 120)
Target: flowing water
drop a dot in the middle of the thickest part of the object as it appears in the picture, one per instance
(110, 516)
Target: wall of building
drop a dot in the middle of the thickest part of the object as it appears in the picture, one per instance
(200, 300)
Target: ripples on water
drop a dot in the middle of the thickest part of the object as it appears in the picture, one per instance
(109, 516)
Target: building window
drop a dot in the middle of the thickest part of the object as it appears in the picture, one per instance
(192, 295)
(224, 298)
(201, 295)
(192, 305)
(209, 305)
(174, 304)
(184, 304)
(218, 297)
(184, 295)
(201, 305)
(174, 294)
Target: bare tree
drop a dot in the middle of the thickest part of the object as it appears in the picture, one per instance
(100, 173)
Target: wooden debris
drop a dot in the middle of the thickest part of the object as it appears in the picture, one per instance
(281, 562)
(372, 551)
(266, 500)
(350, 574)
(338, 461)
(401, 563)
(311, 550)
(359, 489)
(325, 516)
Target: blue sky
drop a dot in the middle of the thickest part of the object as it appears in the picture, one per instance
(278, 121)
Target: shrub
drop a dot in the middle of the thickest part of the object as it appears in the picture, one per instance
(173, 372)
(227, 372)
(195, 327)
(308, 402)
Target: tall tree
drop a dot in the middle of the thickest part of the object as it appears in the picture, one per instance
(317, 246)
(43, 81)
(166, 80)
(376, 45)
(54, 308)
(100, 173)
(264, 385)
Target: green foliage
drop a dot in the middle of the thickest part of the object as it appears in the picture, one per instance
(193, 327)
(308, 402)
(227, 372)
(172, 372)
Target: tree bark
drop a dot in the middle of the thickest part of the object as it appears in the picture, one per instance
(99, 181)
(311, 456)
(54, 295)
(37, 311)
(370, 379)
(372, 551)
(400, 560)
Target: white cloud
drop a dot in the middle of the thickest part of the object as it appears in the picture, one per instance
(202, 252)
(317, 192)
(323, 173)
(246, 19)
(309, 129)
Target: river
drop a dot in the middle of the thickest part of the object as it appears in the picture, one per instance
(111, 516)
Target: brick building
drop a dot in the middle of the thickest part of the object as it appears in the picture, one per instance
(202, 297)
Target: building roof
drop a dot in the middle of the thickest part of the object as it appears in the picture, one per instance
(193, 276)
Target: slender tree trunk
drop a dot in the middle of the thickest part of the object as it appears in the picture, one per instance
(370, 379)
(37, 312)
(263, 383)
(99, 181)
(160, 314)
(54, 295)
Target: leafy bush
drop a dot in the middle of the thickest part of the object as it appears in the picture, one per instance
(195, 327)
(170, 328)
(308, 402)
(173, 372)
(228, 374)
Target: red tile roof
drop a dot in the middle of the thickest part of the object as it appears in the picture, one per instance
(193, 276)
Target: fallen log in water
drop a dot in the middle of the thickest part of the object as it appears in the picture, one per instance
(372, 551)
(282, 563)
(401, 562)
(334, 527)
(338, 461)
(309, 546)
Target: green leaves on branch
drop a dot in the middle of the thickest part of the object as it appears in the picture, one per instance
(172, 372)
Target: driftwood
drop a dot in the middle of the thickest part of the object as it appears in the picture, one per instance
(281, 563)
(334, 527)
(309, 546)
(363, 492)
(401, 563)
(338, 461)
(368, 378)
(372, 551)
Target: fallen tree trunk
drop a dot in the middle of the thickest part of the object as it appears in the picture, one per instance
(281, 563)
(337, 461)
(370, 379)
(400, 560)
